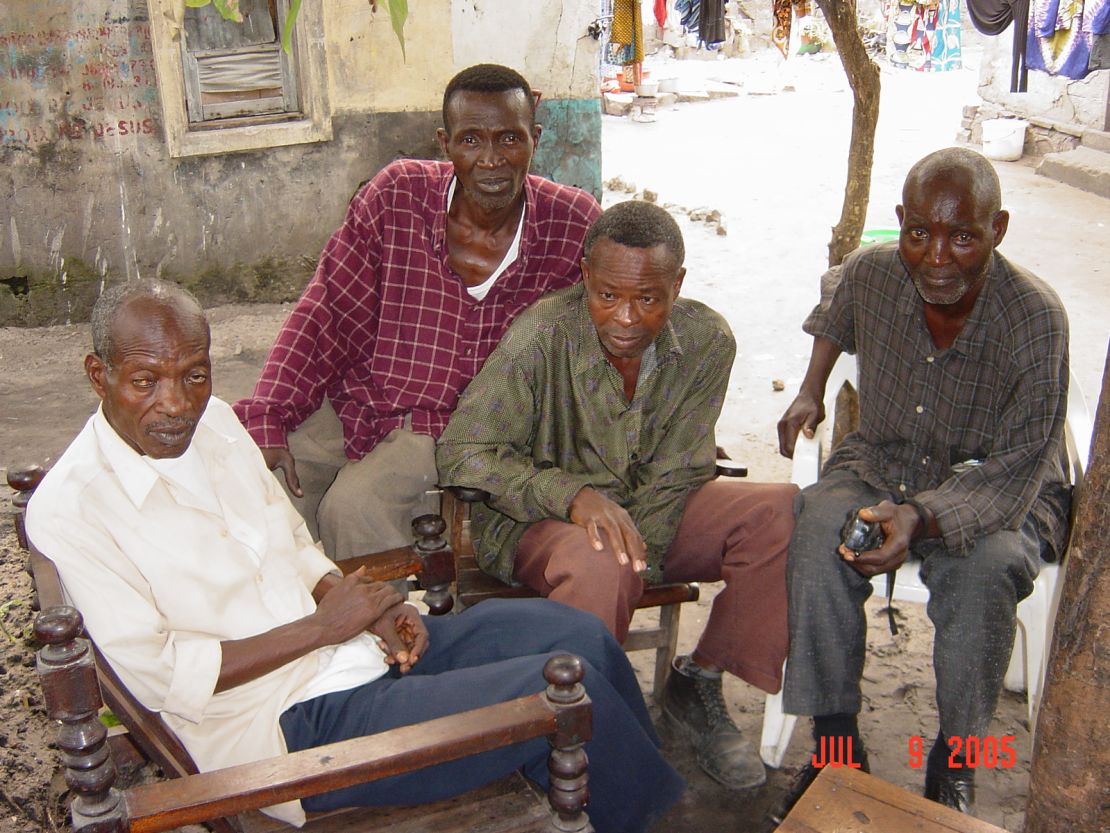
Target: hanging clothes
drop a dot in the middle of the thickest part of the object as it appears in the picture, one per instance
(1100, 39)
(661, 13)
(991, 17)
(782, 11)
(711, 22)
(626, 34)
(924, 36)
(1060, 35)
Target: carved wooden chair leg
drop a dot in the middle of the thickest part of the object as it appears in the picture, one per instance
(68, 675)
(437, 563)
(567, 764)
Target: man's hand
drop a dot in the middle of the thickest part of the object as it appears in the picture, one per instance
(804, 413)
(899, 524)
(595, 513)
(353, 605)
(402, 636)
(282, 458)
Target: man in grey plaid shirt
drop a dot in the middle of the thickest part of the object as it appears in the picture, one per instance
(959, 457)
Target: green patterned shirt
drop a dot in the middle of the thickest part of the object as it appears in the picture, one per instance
(547, 416)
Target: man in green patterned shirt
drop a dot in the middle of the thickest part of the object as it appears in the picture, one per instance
(592, 427)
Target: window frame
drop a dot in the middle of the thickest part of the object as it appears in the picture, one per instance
(183, 139)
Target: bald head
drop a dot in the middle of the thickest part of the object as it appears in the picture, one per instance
(155, 293)
(957, 167)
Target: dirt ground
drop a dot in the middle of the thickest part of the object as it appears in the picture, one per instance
(763, 159)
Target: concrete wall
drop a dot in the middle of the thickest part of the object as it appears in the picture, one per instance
(1081, 104)
(93, 196)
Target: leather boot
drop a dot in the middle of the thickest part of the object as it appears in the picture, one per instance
(695, 705)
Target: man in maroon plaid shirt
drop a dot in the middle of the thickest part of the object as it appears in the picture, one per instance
(432, 263)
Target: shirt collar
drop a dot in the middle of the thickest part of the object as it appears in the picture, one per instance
(135, 476)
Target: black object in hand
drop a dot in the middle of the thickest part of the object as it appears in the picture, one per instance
(859, 535)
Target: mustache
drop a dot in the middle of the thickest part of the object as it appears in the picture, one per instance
(171, 425)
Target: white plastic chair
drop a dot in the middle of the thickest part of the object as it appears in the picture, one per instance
(1035, 614)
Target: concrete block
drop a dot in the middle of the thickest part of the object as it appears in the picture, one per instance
(1082, 168)
(617, 104)
(1097, 140)
(693, 95)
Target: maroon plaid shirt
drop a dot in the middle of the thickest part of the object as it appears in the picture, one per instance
(385, 328)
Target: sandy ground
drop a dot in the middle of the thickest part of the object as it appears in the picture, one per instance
(770, 160)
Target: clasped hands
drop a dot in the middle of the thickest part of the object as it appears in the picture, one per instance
(357, 603)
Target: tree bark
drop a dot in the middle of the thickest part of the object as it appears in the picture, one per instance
(863, 78)
(1069, 788)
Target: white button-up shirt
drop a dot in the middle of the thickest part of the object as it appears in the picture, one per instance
(163, 574)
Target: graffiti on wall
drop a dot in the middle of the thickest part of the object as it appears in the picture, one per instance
(90, 83)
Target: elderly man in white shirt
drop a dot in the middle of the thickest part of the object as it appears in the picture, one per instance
(202, 587)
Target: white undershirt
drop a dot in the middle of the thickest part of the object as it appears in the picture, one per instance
(481, 290)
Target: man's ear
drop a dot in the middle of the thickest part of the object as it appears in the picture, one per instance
(97, 372)
(537, 131)
(900, 213)
(678, 280)
(585, 270)
(443, 138)
(1000, 225)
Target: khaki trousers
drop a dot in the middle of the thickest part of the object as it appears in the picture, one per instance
(731, 531)
(355, 507)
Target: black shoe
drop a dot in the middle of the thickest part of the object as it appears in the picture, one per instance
(953, 788)
(806, 776)
(695, 705)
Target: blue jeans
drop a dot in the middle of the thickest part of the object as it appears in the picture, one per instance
(489, 654)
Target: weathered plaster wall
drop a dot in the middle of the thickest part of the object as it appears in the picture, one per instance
(1051, 98)
(92, 196)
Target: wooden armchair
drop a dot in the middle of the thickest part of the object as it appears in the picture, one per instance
(74, 676)
(474, 585)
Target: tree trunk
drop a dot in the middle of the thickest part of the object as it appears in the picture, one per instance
(1069, 788)
(863, 77)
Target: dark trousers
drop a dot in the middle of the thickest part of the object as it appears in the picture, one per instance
(972, 603)
(489, 654)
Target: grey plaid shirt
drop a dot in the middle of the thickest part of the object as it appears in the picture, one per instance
(547, 416)
(998, 395)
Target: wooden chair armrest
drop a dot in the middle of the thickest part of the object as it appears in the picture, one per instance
(730, 468)
(468, 495)
(669, 594)
(197, 798)
(385, 566)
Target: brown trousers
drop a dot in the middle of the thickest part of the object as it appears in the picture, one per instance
(732, 531)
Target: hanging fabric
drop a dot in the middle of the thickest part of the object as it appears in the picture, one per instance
(782, 11)
(661, 13)
(991, 17)
(924, 36)
(711, 22)
(1061, 33)
(626, 34)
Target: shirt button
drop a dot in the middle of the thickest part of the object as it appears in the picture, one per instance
(258, 578)
(223, 533)
(919, 409)
(901, 487)
(930, 359)
(924, 461)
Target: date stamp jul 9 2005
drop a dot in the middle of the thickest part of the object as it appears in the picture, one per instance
(971, 752)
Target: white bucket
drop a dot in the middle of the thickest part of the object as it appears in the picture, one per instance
(1003, 139)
